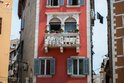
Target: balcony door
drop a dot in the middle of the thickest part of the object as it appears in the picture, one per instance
(70, 25)
(55, 25)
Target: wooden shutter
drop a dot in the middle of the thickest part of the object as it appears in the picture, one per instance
(52, 66)
(69, 2)
(36, 66)
(61, 2)
(81, 2)
(86, 66)
(69, 66)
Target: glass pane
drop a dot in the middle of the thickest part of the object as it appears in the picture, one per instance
(54, 2)
(81, 66)
(74, 2)
(55, 27)
(74, 66)
(48, 67)
(70, 26)
(42, 66)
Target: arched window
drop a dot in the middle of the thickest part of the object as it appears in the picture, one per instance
(70, 25)
(55, 25)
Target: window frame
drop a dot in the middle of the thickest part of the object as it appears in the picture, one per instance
(70, 24)
(50, 6)
(78, 66)
(68, 5)
(45, 58)
(79, 4)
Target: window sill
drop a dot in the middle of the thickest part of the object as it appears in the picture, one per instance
(72, 6)
(52, 6)
(44, 76)
(78, 76)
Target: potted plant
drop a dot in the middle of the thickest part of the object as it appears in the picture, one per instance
(61, 30)
(76, 30)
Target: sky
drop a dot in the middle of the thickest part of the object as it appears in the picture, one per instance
(99, 31)
(100, 35)
(15, 21)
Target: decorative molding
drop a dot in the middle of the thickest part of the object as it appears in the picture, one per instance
(118, 56)
(119, 28)
(119, 67)
(112, 29)
(115, 59)
(62, 13)
(116, 76)
(118, 1)
(89, 39)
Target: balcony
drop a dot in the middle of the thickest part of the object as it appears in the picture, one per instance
(62, 40)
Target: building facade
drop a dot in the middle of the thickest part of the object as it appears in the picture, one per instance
(27, 14)
(117, 20)
(56, 36)
(13, 65)
(115, 40)
(5, 29)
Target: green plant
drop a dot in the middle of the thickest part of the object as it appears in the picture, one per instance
(76, 30)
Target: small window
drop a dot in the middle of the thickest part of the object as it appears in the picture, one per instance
(0, 25)
(14, 45)
(53, 2)
(22, 24)
(44, 66)
(77, 66)
(75, 2)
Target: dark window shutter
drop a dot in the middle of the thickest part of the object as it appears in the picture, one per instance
(81, 2)
(61, 2)
(22, 24)
(69, 66)
(86, 66)
(52, 66)
(69, 2)
(36, 66)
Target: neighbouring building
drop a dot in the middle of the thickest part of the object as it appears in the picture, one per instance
(14, 44)
(97, 78)
(105, 72)
(56, 40)
(5, 29)
(27, 14)
(13, 64)
(117, 28)
(115, 67)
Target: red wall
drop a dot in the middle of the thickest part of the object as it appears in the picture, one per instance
(61, 58)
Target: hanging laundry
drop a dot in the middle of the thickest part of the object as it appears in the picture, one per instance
(100, 17)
